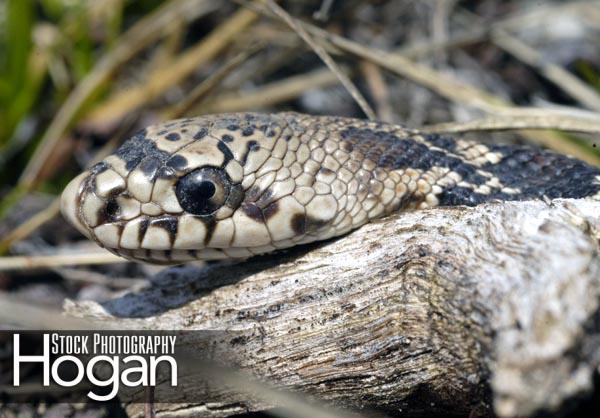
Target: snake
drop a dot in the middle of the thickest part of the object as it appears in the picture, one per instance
(231, 186)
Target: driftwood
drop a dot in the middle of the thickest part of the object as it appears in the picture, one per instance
(483, 310)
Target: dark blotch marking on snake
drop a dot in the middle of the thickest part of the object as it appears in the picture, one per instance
(142, 230)
(270, 210)
(133, 151)
(177, 162)
(226, 152)
(173, 136)
(253, 194)
(302, 224)
(165, 173)
(201, 133)
(227, 138)
(325, 171)
(347, 146)
(102, 214)
(169, 224)
(247, 131)
(250, 146)
(461, 196)
(264, 199)
(540, 173)
(387, 150)
(253, 212)
(210, 223)
(441, 141)
(299, 223)
(536, 173)
(149, 166)
(112, 210)
(235, 197)
(98, 168)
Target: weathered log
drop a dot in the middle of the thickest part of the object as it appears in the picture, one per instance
(462, 310)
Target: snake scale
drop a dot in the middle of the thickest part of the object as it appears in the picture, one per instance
(237, 185)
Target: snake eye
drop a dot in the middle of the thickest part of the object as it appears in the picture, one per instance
(203, 191)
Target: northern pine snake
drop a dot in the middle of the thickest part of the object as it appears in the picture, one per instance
(236, 185)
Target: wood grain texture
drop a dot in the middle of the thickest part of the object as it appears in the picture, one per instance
(468, 310)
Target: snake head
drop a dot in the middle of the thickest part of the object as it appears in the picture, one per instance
(205, 188)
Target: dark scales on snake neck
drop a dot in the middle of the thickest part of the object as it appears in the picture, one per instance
(237, 185)
(536, 173)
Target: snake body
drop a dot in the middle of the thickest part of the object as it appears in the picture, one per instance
(236, 185)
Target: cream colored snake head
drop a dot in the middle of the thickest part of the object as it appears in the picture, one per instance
(236, 185)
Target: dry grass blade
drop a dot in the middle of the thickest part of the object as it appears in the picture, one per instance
(523, 121)
(269, 94)
(162, 79)
(59, 260)
(200, 93)
(325, 57)
(139, 36)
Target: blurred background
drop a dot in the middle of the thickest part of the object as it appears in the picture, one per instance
(79, 77)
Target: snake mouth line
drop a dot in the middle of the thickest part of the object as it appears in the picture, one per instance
(170, 257)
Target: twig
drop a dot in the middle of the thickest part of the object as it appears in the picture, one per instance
(325, 57)
(58, 260)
